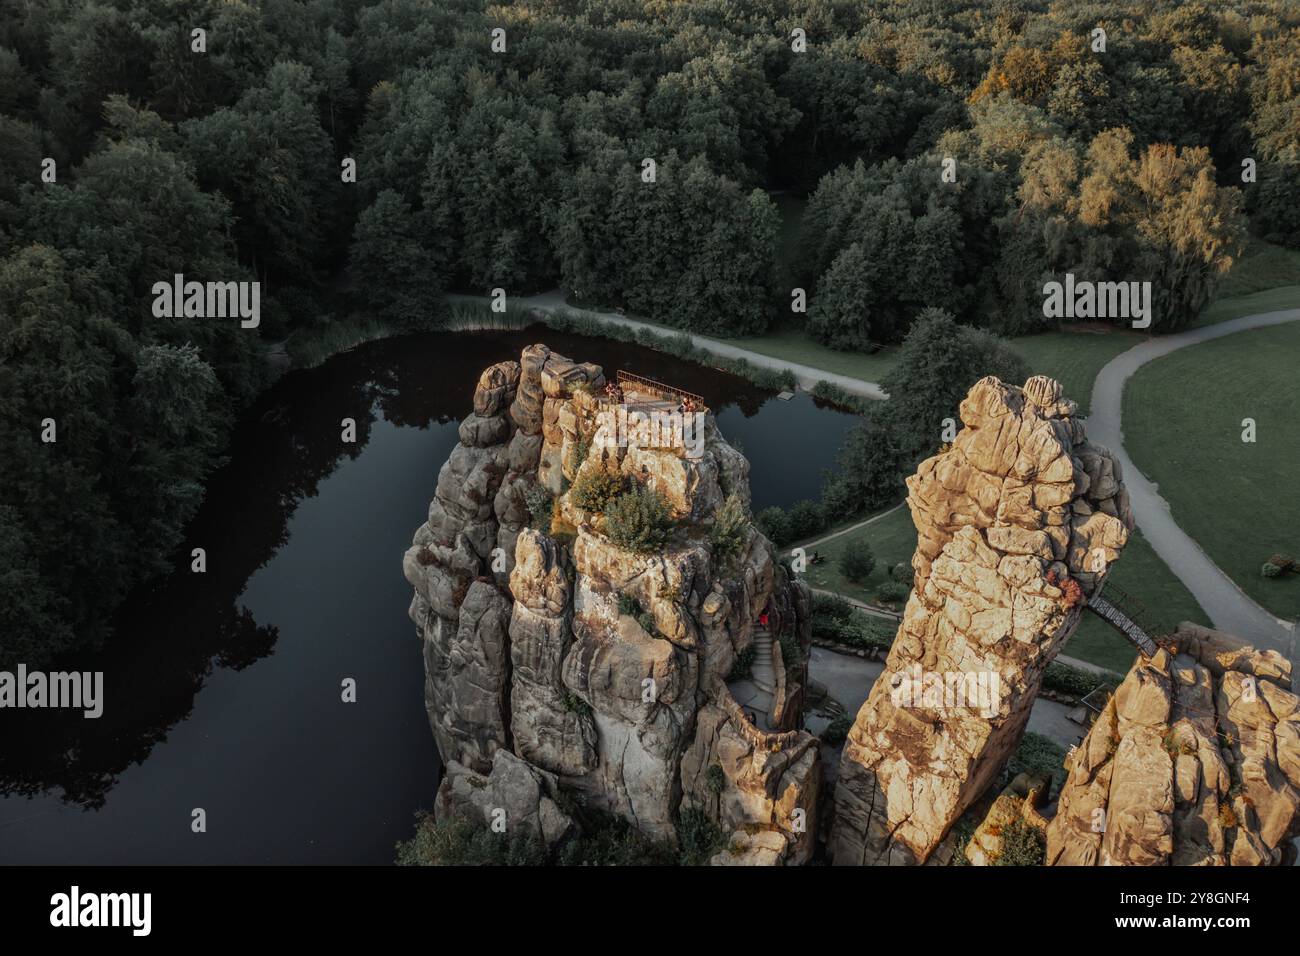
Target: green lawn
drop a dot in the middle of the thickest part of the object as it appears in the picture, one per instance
(1140, 572)
(1262, 266)
(1074, 358)
(1269, 300)
(1265, 279)
(789, 341)
(1237, 499)
(892, 539)
(1165, 602)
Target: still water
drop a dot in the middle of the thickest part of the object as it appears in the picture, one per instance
(223, 690)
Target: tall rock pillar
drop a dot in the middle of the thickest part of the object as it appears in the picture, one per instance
(1017, 523)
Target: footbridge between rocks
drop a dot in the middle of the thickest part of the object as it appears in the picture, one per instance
(1125, 614)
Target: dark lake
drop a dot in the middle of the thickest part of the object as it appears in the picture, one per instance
(223, 690)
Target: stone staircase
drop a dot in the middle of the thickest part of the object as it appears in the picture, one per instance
(763, 674)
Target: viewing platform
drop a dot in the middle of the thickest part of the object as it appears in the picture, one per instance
(646, 393)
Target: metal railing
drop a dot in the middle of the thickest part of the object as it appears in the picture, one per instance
(1125, 614)
(670, 393)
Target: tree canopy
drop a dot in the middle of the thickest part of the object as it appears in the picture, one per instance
(954, 155)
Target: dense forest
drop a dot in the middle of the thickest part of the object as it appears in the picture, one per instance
(507, 145)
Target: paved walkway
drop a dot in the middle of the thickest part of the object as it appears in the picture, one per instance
(806, 375)
(1230, 608)
(848, 679)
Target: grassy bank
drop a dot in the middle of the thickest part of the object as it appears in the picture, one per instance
(308, 348)
(1236, 498)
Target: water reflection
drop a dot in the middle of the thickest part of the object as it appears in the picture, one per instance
(304, 535)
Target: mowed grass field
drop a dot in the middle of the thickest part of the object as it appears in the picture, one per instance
(1266, 278)
(892, 539)
(1074, 357)
(1260, 267)
(1183, 427)
(1165, 602)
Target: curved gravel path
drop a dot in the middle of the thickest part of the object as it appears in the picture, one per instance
(1230, 608)
(806, 375)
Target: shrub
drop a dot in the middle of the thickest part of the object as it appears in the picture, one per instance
(964, 829)
(831, 606)
(608, 840)
(699, 837)
(806, 519)
(791, 652)
(628, 605)
(857, 562)
(729, 526)
(715, 780)
(541, 506)
(459, 841)
(1022, 845)
(595, 488)
(425, 556)
(834, 394)
(837, 731)
(775, 524)
(639, 520)
(854, 629)
(902, 573)
(647, 622)
(578, 453)
(576, 705)
(891, 592)
(743, 666)
(1073, 681)
(1038, 754)
(1270, 570)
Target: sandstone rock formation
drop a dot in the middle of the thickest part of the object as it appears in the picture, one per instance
(514, 795)
(537, 682)
(1020, 804)
(1195, 761)
(1017, 522)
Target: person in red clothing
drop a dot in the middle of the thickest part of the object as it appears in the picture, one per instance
(762, 619)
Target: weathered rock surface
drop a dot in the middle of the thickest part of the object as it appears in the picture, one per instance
(1017, 523)
(753, 785)
(1017, 805)
(1194, 762)
(751, 848)
(514, 796)
(538, 681)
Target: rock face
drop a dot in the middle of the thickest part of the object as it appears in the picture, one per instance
(1017, 523)
(538, 681)
(515, 795)
(1018, 805)
(1194, 762)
